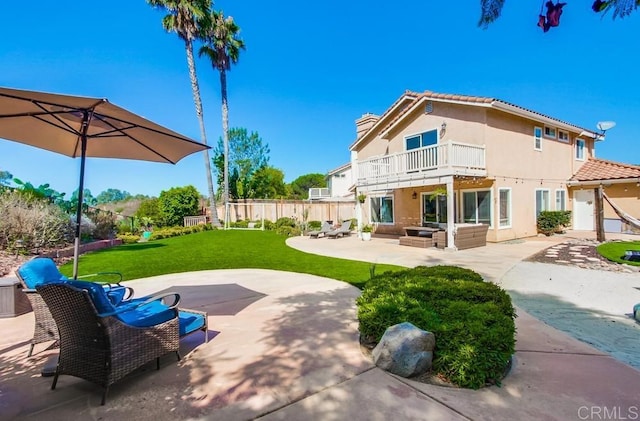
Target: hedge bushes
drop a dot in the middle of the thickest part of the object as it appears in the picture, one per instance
(553, 221)
(167, 232)
(473, 321)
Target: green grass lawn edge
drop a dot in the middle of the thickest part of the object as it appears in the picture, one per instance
(220, 249)
(614, 251)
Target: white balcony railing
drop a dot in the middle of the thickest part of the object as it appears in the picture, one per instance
(319, 193)
(446, 158)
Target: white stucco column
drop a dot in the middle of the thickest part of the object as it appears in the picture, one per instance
(450, 216)
(359, 217)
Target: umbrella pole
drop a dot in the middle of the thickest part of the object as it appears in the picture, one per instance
(83, 156)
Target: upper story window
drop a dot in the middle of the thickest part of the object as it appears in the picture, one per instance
(421, 140)
(580, 149)
(537, 138)
(550, 132)
(563, 136)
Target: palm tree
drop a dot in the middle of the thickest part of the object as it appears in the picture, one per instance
(182, 19)
(222, 46)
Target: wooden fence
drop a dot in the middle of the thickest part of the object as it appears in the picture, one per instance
(272, 210)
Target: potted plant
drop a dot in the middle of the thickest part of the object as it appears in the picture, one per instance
(362, 197)
(366, 232)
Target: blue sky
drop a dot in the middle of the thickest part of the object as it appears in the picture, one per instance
(311, 69)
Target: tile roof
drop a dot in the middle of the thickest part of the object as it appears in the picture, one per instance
(600, 169)
(472, 100)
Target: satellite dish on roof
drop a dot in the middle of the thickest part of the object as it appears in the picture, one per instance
(605, 125)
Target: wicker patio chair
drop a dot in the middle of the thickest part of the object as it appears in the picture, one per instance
(44, 270)
(104, 346)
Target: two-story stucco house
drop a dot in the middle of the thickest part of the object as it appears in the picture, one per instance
(451, 159)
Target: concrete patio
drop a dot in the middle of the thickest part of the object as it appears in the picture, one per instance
(284, 346)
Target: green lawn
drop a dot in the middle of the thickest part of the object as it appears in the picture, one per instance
(220, 249)
(614, 251)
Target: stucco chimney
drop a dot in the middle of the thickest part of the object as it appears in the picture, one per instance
(364, 123)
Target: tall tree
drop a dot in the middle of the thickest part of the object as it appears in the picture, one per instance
(222, 45)
(247, 154)
(176, 203)
(112, 195)
(491, 9)
(5, 178)
(182, 19)
(268, 183)
(301, 185)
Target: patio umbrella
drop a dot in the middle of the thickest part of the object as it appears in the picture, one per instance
(87, 127)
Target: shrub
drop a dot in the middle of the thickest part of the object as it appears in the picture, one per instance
(314, 225)
(553, 221)
(35, 222)
(288, 231)
(128, 238)
(473, 321)
(285, 222)
(105, 225)
(149, 208)
(268, 225)
(240, 224)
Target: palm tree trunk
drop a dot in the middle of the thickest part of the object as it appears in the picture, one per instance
(225, 137)
(203, 135)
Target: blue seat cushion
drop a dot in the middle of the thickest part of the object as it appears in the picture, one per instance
(190, 322)
(150, 314)
(39, 271)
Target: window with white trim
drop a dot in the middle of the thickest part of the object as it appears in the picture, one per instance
(382, 210)
(504, 208)
(561, 200)
(476, 207)
(563, 136)
(542, 201)
(537, 138)
(580, 149)
(550, 132)
(421, 140)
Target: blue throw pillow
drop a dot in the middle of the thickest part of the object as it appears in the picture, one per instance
(39, 271)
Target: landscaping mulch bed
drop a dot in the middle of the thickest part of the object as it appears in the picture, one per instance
(580, 253)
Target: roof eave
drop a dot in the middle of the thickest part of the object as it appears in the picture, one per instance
(512, 109)
(387, 113)
(574, 183)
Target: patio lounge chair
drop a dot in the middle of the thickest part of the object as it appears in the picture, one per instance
(103, 343)
(326, 227)
(345, 229)
(44, 270)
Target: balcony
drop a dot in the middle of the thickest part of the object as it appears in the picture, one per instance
(319, 193)
(404, 168)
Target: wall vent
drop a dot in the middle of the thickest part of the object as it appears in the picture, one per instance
(428, 109)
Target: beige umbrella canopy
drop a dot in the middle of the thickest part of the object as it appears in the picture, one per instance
(87, 127)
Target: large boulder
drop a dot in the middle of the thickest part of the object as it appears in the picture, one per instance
(405, 350)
